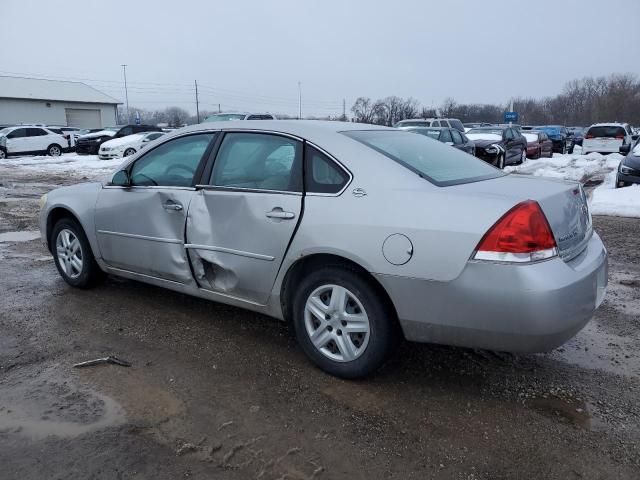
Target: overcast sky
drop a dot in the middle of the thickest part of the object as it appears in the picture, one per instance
(251, 54)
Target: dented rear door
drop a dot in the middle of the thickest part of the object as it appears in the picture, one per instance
(240, 224)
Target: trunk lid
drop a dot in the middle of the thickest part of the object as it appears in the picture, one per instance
(563, 203)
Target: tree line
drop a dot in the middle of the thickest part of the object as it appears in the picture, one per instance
(582, 102)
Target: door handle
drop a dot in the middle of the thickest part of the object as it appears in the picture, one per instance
(281, 214)
(172, 206)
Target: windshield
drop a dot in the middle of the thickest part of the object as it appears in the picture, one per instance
(549, 130)
(432, 160)
(225, 116)
(606, 131)
(429, 132)
(4, 131)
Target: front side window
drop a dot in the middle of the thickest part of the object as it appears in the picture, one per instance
(457, 138)
(18, 133)
(321, 174)
(508, 134)
(445, 136)
(172, 164)
(258, 161)
(434, 161)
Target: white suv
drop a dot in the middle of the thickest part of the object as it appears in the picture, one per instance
(607, 137)
(430, 122)
(26, 139)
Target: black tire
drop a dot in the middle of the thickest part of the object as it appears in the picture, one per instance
(3, 154)
(129, 151)
(54, 150)
(500, 162)
(539, 153)
(383, 326)
(90, 274)
(570, 151)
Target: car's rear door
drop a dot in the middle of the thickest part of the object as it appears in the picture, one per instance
(140, 228)
(243, 217)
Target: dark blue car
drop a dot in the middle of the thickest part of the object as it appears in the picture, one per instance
(559, 135)
(578, 134)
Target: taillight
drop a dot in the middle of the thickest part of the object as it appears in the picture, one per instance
(589, 136)
(522, 234)
(619, 137)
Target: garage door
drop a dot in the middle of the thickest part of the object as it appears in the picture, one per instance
(83, 118)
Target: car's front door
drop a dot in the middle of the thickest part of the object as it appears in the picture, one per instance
(510, 147)
(140, 226)
(240, 224)
(17, 141)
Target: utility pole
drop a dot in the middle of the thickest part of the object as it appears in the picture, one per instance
(344, 109)
(299, 100)
(197, 104)
(126, 92)
(219, 109)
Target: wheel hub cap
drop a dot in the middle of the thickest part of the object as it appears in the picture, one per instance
(69, 253)
(336, 322)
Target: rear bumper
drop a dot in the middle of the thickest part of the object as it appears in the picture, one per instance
(516, 308)
(87, 149)
(622, 178)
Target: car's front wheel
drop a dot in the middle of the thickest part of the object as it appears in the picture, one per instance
(342, 322)
(72, 254)
(129, 151)
(54, 150)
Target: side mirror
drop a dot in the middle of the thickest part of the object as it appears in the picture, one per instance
(121, 179)
(625, 149)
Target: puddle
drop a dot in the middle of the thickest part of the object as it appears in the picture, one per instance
(25, 236)
(566, 411)
(44, 405)
(596, 349)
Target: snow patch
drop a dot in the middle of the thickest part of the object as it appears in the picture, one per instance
(72, 163)
(25, 236)
(617, 202)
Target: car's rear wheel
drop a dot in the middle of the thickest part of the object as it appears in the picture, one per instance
(523, 156)
(72, 254)
(3, 154)
(54, 150)
(129, 151)
(342, 322)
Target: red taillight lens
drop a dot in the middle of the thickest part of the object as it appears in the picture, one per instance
(522, 234)
(589, 136)
(619, 137)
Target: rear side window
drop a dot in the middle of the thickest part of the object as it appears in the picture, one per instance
(457, 138)
(457, 124)
(259, 117)
(605, 132)
(434, 161)
(259, 162)
(322, 175)
(38, 132)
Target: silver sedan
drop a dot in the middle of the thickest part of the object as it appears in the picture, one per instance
(359, 235)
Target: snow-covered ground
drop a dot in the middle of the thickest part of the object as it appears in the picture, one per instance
(617, 202)
(70, 163)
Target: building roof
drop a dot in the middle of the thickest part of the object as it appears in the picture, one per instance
(38, 89)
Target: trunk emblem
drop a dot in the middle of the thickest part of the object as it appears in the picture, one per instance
(359, 192)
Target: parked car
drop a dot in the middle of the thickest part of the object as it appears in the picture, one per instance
(431, 122)
(499, 146)
(629, 167)
(90, 144)
(30, 141)
(538, 144)
(578, 134)
(497, 261)
(224, 117)
(607, 137)
(559, 135)
(125, 146)
(450, 136)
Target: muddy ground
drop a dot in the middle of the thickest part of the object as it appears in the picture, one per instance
(218, 392)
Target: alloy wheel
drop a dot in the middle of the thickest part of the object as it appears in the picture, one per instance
(337, 323)
(69, 253)
(54, 151)
(129, 151)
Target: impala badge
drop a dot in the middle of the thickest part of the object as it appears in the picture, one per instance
(359, 192)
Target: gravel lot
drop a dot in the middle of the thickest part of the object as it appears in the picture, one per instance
(218, 392)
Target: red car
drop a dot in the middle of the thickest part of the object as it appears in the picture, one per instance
(538, 144)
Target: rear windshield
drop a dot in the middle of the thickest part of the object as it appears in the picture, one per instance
(433, 160)
(606, 132)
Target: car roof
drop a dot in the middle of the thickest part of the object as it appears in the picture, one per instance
(430, 128)
(609, 124)
(302, 128)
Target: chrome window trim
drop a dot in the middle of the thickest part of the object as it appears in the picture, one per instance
(149, 187)
(340, 165)
(232, 251)
(176, 241)
(248, 190)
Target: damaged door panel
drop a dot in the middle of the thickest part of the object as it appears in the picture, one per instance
(237, 239)
(141, 229)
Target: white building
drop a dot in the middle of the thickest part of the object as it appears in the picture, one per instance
(53, 102)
